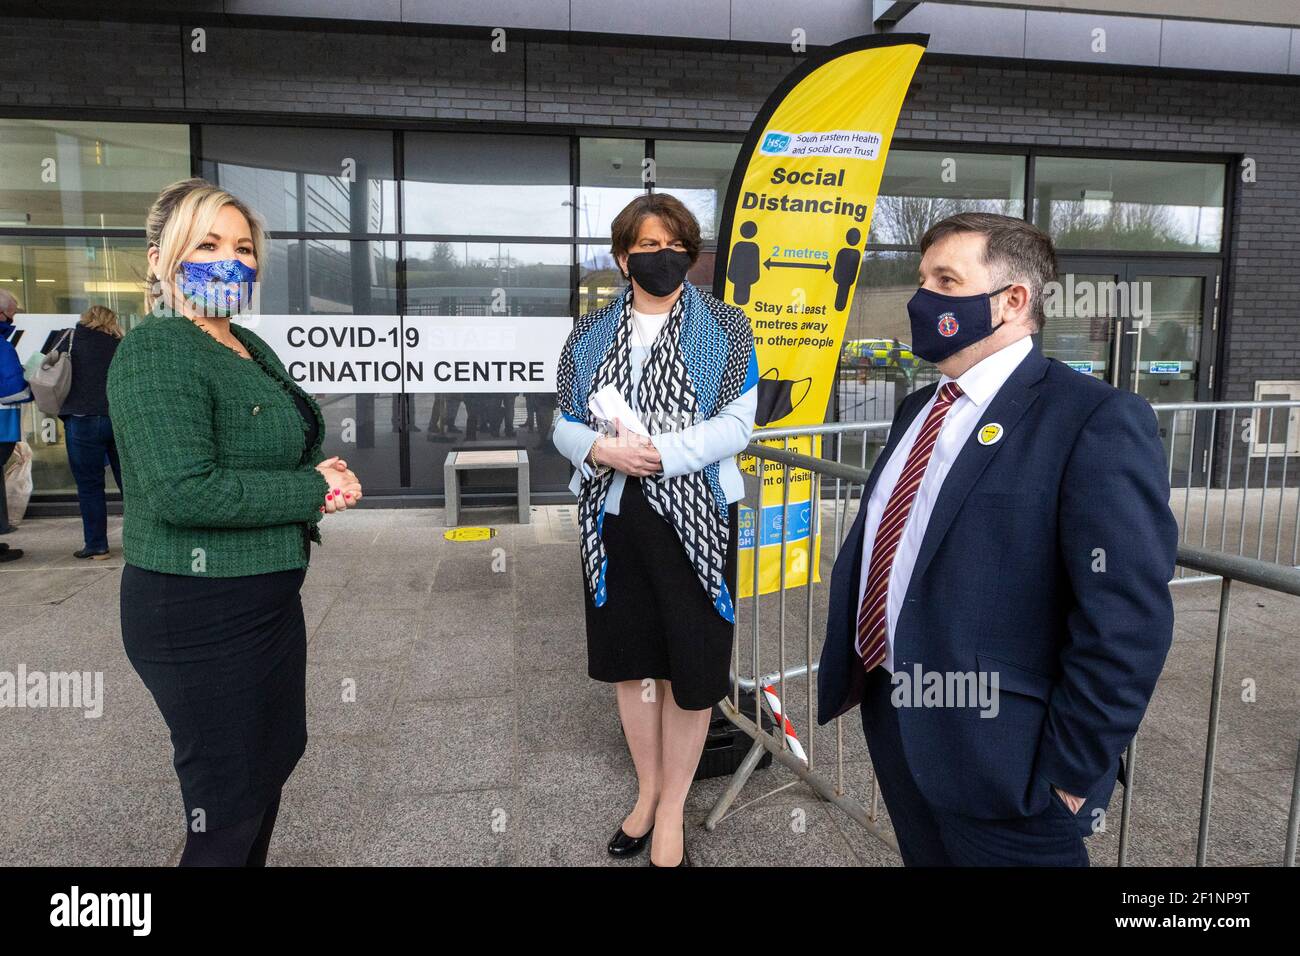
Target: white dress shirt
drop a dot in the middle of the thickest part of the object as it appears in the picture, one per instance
(979, 384)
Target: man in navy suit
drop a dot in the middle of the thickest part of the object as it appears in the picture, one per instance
(1000, 608)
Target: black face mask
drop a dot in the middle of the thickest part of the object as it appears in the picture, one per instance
(778, 397)
(659, 273)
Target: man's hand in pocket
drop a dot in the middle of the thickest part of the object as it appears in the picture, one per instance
(1071, 801)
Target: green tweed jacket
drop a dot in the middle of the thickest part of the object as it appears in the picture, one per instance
(216, 479)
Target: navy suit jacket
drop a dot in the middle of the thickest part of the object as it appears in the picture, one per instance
(1047, 561)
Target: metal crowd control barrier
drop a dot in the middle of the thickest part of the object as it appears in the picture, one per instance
(1260, 574)
(1229, 474)
(1228, 567)
(1228, 467)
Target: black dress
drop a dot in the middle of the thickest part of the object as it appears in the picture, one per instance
(226, 661)
(657, 620)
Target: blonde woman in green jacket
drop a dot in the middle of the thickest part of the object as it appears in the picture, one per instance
(223, 486)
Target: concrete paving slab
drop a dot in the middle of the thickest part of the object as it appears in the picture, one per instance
(451, 719)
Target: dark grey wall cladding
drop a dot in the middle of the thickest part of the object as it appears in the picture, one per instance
(138, 66)
(83, 63)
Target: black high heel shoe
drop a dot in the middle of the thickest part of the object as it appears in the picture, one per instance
(622, 845)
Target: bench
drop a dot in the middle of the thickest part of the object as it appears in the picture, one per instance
(458, 461)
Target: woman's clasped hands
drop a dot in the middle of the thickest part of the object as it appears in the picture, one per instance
(628, 452)
(344, 488)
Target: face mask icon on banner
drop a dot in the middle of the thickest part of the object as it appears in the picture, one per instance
(778, 397)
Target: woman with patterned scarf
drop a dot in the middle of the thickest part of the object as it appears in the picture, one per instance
(656, 544)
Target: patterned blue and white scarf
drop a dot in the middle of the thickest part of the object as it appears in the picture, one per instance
(698, 364)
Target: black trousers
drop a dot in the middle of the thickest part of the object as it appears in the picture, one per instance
(240, 844)
(6, 449)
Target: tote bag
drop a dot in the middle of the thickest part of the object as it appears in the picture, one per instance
(51, 380)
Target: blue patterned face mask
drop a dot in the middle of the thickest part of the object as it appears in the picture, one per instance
(218, 289)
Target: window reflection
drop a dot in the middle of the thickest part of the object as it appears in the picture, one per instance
(919, 188)
(487, 278)
(877, 367)
(50, 275)
(86, 174)
(599, 279)
(1129, 204)
(307, 180)
(54, 275)
(610, 175)
(698, 174)
(507, 185)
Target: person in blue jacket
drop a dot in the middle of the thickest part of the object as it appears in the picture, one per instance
(13, 392)
(1000, 608)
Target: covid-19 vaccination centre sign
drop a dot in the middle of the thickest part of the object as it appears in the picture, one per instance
(360, 354)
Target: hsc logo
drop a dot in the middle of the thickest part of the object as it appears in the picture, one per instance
(776, 143)
(947, 325)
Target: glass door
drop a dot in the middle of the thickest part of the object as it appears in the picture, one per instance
(1168, 355)
(1083, 317)
(1146, 326)
(1169, 350)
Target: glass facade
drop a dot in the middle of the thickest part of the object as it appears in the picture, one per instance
(60, 174)
(611, 173)
(1107, 217)
(424, 223)
(698, 174)
(307, 180)
(447, 224)
(52, 274)
(1085, 203)
(1083, 337)
(920, 188)
(487, 185)
(71, 194)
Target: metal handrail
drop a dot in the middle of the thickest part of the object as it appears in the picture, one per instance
(1261, 574)
(826, 428)
(1247, 497)
(839, 428)
(1196, 406)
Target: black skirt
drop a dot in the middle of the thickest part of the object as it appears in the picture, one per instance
(657, 621)
(226, 661)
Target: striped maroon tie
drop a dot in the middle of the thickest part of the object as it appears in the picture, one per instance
(875, 600)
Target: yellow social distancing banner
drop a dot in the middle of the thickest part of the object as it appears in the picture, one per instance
(790, 246)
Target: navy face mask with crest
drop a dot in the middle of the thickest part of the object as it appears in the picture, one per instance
(943, 325)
